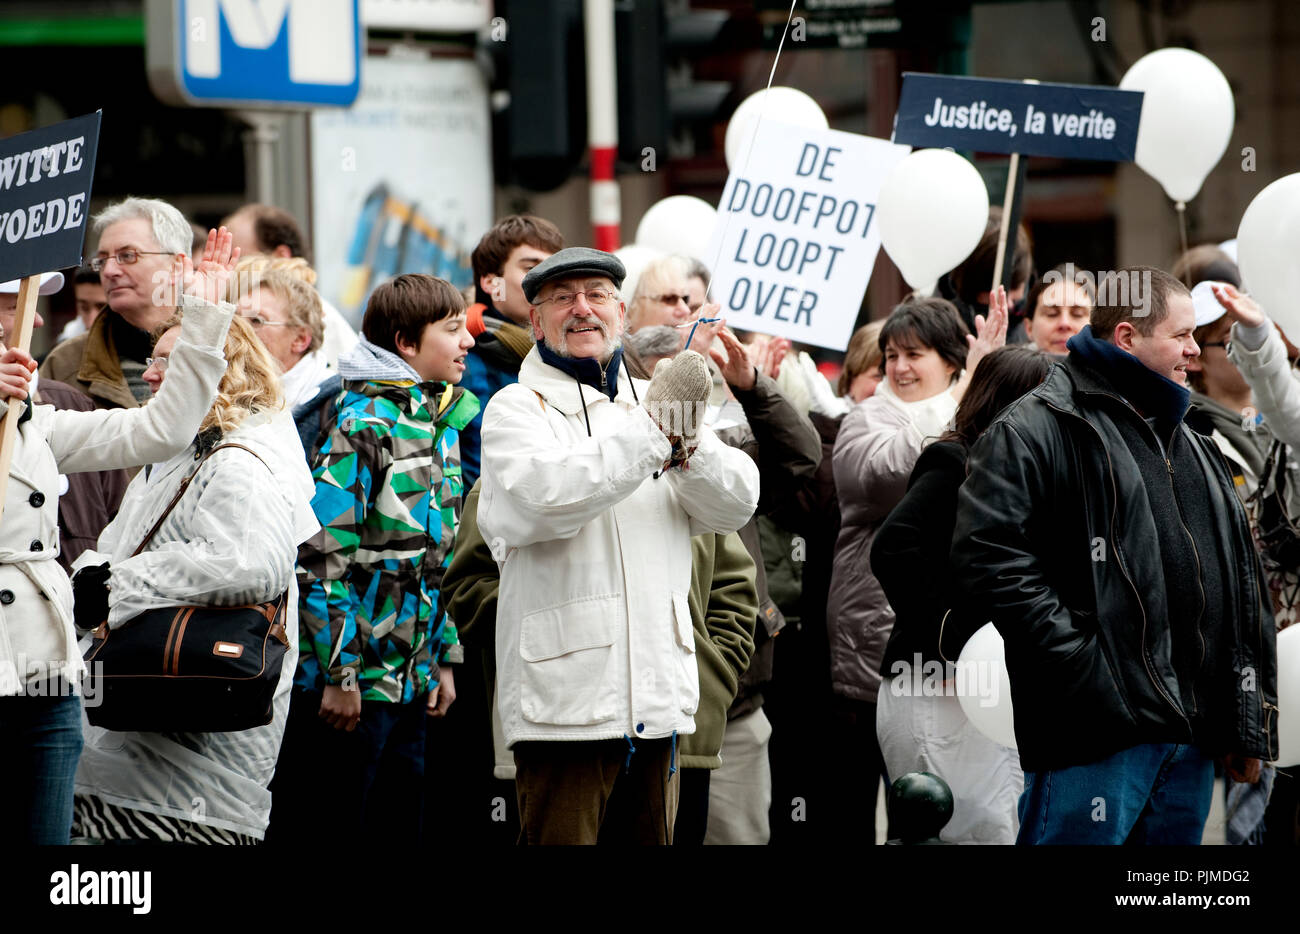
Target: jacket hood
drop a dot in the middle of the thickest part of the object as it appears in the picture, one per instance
(367, 361)
(1100, 366)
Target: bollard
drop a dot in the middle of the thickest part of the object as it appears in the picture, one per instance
(920, 804)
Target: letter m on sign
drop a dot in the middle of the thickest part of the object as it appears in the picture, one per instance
(261, 52)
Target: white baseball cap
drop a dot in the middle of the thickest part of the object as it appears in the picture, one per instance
(51, 282)
(1207, 307)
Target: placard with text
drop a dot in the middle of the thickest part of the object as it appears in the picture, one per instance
(796, 237)
(45, 182)
(1069, 121)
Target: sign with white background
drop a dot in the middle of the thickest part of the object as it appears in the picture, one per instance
(795, 239)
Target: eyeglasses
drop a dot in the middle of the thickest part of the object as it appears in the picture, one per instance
(257, 321)
(595, 297)
(159, 362)
(124, 258)
(673, 299)
(1222, 344)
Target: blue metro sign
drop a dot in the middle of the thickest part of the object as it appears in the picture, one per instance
(255, 53)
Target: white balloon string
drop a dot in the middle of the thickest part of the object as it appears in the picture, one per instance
(753, 136)
(1181, 208)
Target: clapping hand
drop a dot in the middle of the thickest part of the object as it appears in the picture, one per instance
(702, 332)
(767, 354)
(207, 278)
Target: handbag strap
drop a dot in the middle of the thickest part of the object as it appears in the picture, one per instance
(185, 485)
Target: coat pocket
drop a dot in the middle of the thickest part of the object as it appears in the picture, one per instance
(567, 652)
(688, 668)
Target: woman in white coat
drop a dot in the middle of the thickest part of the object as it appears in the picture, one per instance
(40, 663)
(232, 539)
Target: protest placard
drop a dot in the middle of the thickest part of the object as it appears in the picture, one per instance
(795, 241)
(1069, 121)
(45, 180)
(1024, 118)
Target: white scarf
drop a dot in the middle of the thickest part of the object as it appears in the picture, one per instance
(301, 382)
(932, 416)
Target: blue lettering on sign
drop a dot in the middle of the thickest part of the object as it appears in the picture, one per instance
(1068, 121)
(277, 51)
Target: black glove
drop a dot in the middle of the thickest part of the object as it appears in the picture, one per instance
(90, 596)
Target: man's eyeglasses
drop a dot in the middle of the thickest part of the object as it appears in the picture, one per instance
(159, 362)
(124, 258)
(257, 321)
(595, 297)
(671, 299)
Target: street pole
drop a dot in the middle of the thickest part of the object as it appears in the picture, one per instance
(602, 122)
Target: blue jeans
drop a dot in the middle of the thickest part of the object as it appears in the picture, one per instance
(1156, 794)
(40, 740)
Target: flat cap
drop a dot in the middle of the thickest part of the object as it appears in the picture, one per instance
(570, 262)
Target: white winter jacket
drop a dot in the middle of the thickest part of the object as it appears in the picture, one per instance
(232, 539)
(1271, 378)
(37, 639)
(594, 637)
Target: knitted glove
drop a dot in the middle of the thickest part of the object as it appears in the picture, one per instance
(678, 393)
(90, 596)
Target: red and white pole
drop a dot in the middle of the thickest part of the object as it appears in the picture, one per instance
(602, 122)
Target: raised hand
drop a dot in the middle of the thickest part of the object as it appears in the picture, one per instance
(207, 279)
(1238, 307)
(991, 334)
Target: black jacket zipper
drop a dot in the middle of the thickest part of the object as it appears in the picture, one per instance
(1110, 468)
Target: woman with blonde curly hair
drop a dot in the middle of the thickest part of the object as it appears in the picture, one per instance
(231, 539)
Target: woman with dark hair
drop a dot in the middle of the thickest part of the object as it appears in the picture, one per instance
(924, 345)
(919, 732)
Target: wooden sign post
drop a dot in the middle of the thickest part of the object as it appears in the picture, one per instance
(22, 339)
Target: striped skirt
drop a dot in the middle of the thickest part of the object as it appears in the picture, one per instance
(97, 821)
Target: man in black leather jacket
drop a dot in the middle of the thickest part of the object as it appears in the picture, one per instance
(1103, 538)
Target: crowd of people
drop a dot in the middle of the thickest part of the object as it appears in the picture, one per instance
(566, 559)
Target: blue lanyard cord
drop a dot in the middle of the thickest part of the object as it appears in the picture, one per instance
(691, 336)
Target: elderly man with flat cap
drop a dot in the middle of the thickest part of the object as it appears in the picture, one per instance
(593, 484)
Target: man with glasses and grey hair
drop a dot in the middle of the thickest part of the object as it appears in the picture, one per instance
(593, 484)
(141, 241)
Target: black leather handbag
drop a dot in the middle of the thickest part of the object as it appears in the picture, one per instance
(192, 669)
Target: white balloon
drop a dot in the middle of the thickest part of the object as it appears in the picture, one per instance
(984, 687)
(635, 259)
(782, 105)
(679, 224)
(1268, 251)
(1288, 697)
(932, 210)
(1187, 118)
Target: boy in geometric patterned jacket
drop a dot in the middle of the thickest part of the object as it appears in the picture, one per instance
(388, 496)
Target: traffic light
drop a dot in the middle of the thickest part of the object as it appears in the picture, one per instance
(666, 50)
(540, 136)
